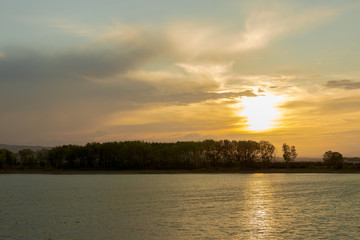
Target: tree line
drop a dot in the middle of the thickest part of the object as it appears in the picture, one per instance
(139, 155)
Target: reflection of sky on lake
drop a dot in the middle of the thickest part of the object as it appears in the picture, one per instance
(180, 206)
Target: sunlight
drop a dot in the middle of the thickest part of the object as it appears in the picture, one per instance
(261, 111)
(260, 203)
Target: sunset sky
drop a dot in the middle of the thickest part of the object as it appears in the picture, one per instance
(73, 72)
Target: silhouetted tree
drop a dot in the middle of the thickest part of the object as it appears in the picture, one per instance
(144, 155)
(289, 154)
(333, 159)
(247, 153)
(266, 151)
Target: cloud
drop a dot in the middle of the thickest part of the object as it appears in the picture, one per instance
(343, 84)
(209, 115)
(281, 17)
(95, 61)
(121, 32)
(46, 95)
(132, 81)
(108, 73)
(321, 114)
(322, 105)
(193, 97)
(72, 93)
(215, 71)
(286, 85)
(263, 24)
(70, 27)
(180, 88)
(199, 41)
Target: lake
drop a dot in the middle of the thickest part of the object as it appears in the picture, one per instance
(180, 206)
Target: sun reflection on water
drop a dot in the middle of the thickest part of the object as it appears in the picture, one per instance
(259, 202)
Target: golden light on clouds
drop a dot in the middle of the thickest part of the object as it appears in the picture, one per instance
(249, 71)
(261, 112)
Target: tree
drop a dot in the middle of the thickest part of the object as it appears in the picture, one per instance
(333, 159)
(27, 158)
(247, 153)
(266, 153)
(7, 159)
(289, 154)
(41, 156)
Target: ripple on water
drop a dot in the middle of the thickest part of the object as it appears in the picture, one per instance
(184, 206)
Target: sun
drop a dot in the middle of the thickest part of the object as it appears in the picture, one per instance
(261, 112)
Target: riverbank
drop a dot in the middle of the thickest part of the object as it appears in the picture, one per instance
(180, 171)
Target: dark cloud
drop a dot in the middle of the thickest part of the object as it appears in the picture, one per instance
(38, 82)
(344, 84)
(49, 97)
(24, 66)
(33, 80)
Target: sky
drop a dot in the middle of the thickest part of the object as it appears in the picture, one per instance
(73, 72)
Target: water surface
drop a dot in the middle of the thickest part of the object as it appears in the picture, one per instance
(180, 206)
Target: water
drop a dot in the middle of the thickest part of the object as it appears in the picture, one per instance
(180, 206)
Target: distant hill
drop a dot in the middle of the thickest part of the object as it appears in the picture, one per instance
(352, 160)
(17, 148)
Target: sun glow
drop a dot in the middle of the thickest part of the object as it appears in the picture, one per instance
(261, 112)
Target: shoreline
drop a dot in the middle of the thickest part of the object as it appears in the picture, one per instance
(179, 171)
